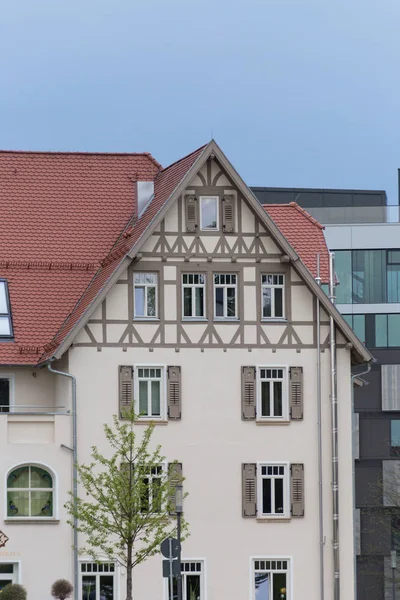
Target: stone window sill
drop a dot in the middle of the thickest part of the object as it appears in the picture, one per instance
(151, 422)
(273, 423)
(27, 521)
(273, 519)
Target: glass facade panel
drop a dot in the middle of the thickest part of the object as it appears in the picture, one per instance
(359, 326)
(381, 337)
(394, 330)
(343, 273)
(395, 437)
(369, 281)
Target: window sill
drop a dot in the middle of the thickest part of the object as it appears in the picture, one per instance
(274, 320)
(283, 519)
(194, 319)
(145, 319)
(226, 320)
(151, 422)
(266, 422)
(33, 521)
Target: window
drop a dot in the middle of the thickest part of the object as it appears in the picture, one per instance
(272, 394)
(225, 296)
(344, 274)
(151, 497)
(30, 493)
(271, 579)
(5, 312)
(209, 213)
(192, 582)
(98, 581)
(149, 393)
(193, 286)
(5, 394)
(273, 500)
(145, 295)
(8, 574)
(395, 438)
(272, 296)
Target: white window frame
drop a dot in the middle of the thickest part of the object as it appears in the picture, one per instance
(54, 490)
(285, 393)
(145, 286)
(193, 286)
(162, 475)
(202, 198)
(225, 286)
(163, 391)
(203, 578)
(286, 489)
(16, 575)
(102, 560)
(11, 379)
(7, 314)
(273, 287)
(289, 571)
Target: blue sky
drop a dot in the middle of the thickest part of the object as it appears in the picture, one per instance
(297, 93)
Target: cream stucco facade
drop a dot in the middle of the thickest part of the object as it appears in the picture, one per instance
(211, 440)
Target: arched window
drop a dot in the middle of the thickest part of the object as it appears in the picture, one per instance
(30, 492)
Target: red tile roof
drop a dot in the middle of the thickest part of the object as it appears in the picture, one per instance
(67, 224)
(305, 235)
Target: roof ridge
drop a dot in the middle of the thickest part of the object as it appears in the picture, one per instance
(181, 159)
(82, 153)
(307, 215)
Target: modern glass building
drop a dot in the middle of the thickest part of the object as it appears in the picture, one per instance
(364, 232)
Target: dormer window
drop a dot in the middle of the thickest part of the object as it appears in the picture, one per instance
(5, 311)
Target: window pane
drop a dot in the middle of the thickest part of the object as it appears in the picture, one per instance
(278, 302)
(193, 587)
(139, 302)
(40, 478)
(89, 587)
(343, 272)
(6, 568)
(396, 532)
(262, 586)
(369, 276)
(231, 302)
(395, 438)
(143, 408)
(41, 504)
(266, 496)
(219, 302)
(394, 330)
(19, 478)
(209, 213)
(106, 587)
(4, 395)
(151, 301)
(3, 299)
(279, 586)
(199, 302)
(267, 302)
(187, 302)
(278, 398)
(155, 399)
(359, 326)
(394, 256)
(145, 500)
(393, 283)
(18, 504)
(381, 340)
(265, 399)
(279, 495)
(156, 494)
(5, 328)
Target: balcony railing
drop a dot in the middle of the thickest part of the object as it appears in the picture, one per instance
(30, 409)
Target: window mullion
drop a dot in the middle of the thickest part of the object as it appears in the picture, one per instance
(193, 292)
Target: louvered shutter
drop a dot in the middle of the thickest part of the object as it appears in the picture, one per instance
(248, 393)
(249, 489)
(125, 390)
(228, 212)
(192, 221)
(175, 478)
(296, 393)
(297, 490)
(174, 393)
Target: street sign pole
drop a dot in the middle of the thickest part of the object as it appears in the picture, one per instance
(171, 581)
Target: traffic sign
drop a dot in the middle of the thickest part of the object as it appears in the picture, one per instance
(170, 548)
(170, 568)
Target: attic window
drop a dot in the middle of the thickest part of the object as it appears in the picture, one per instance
(5, 311)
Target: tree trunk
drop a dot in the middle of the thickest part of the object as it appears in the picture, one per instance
(129, 595)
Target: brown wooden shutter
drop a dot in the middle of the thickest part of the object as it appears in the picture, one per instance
(296, 393)
(192, 213)
(248, 393)
(297, 489)
(125, 390)
(249, 489)
(228, 212)
(174, 393)
(175, 477)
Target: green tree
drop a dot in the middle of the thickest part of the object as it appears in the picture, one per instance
(126, 515)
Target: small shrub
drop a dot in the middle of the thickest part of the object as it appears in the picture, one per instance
(13, 591)
(61, 589)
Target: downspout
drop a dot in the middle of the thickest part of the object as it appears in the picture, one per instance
(319, 424)
(74, 476)
(334, 417)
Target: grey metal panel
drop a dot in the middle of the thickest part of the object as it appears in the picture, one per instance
(374, 437)
(391, 482)
(376, 534)
(370, 578)
(388, 580)
(357, 531)
(390, 387)
(368, 484)
(321, 196)
(368, 397)
(356, 436)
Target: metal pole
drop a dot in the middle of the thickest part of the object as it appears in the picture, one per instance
(393, 557)
(178, 525)
(319, 425)
(171, 578)
(74, 476)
